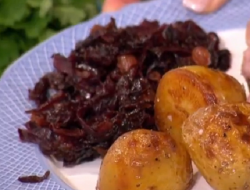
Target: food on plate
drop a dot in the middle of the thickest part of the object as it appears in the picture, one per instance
(217, 138)
(107, 85)
(34, 178)
(201, 56)
(183, 90)
(145, 159)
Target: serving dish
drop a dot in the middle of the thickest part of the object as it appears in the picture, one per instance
(18, 159)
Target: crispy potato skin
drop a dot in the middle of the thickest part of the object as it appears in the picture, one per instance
(184, 90)
(145, 160)
(218, 140)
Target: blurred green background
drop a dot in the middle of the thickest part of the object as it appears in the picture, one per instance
(25, 23)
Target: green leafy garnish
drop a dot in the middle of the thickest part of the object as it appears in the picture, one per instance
(24, 23)
(69, 15)
(46, 34)
(12, 11)
(8, 51)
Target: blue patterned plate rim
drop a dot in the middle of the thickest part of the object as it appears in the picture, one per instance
(234, 11)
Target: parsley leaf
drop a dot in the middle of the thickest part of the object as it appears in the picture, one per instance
(68, 15)
(24, 23)
(9, 50)
(86, 6)
(46, 34)
(2, 28)
(12, 11)
(45, 7)
(34, 3)
(34, 26)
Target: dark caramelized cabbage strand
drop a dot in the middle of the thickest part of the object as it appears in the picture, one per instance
(107, 86)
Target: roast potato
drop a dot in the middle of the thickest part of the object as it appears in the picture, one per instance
(184, 90)
(218, 141)
(145, 160)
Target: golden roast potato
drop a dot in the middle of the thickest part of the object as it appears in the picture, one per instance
(145, 160)
(218, 140)
(184, 90)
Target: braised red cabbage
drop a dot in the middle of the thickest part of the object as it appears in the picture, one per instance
(107, 85)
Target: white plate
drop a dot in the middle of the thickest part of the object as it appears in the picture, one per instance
(18, 159)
